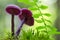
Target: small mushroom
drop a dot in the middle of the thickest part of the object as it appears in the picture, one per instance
(27, 14)
(26, 18)
(13, 10)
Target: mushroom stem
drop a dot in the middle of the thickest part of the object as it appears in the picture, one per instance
(12, 24)
(20, 27)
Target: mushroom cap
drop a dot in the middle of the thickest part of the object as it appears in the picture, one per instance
(29, 21)
(27, 15)
(13, 9)
(26, 12)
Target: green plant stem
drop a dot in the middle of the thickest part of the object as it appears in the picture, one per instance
(41, 16)
(12, 25)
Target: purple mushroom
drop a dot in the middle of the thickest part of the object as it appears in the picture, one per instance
(13, 10)
(26, 18)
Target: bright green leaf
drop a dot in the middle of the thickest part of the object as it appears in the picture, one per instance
(39, 21)
(35, 0)
(43, 7)
(57, 33)
(40, 27)
(53, 32)
(48, 21)
(33, 8)
(36, 15)
(51, 27)
(47, 14)
(28, 2)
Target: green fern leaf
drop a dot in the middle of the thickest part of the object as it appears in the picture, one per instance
(43, 7)
(28, 2)
(47, 14)
(39, 21)
(48, 21)
(36, 15)
(35, 0)
(51, 27)
(33, 8)
(40, 27)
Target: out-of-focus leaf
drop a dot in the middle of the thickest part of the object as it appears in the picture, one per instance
(28, 2)
(39, 21)
(51, 27)
(47, 14)
(57, 32)
(48, 26)
(40, 27)
(36, 15)
(35, 0)
(48, 21)
(33, 8)
(54, 32)
(43, 7)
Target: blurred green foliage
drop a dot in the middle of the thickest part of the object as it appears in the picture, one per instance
(30, 35)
